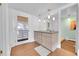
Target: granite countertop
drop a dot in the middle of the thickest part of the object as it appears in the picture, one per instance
(47, 31)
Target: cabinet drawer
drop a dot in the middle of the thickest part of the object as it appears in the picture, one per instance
(37, 37)
(54, 39)
(46, 39)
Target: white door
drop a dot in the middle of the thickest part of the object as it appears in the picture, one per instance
(1, 39)
(4, 29)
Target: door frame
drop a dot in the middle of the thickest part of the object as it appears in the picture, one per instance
(69, 5)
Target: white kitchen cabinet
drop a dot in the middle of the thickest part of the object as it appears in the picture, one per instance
(46, 39)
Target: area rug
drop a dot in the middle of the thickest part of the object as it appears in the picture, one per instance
(42, 51)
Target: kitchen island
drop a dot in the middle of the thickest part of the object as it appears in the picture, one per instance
(48, 39)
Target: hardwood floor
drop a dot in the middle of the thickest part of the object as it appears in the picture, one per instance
(28, 50)
(68, 45)
(61, 52)
(25, 50)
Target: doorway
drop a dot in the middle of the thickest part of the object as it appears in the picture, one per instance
(22, 28)
(68, 28)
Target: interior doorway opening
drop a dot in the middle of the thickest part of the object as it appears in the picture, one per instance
(22, 28)
(68, 28)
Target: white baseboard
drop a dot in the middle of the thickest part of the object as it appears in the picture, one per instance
(53, 49)
(70, 39)
(78, 52)
(59, 45)
(22, 42)
(18, 43)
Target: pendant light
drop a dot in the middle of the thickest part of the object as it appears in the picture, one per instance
(48, 13)
(53, 18)
(48, 16)
(39, 20)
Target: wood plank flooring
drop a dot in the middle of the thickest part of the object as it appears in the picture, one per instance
(28, 50)
(61, 52)
(68, 45)
(25, 50)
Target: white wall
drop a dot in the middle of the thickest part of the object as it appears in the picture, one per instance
(67, 33)
(4, 29)
(13, 21)
(42, 25)
(1, 27)
(54, 25)
(33, 23)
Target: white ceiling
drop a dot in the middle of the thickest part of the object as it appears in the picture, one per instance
(36, 8)
(70, 11)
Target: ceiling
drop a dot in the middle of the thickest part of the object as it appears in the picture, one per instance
(36, 8)
(70, 11)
